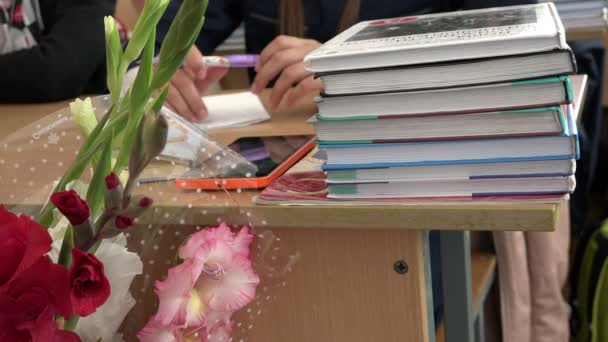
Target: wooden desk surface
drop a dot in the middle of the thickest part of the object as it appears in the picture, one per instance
(180, 207)
(598, 33)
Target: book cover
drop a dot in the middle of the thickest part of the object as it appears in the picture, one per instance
(328, 140)
(459, 28)
(531, 169)
(570, 132)
(478, 187)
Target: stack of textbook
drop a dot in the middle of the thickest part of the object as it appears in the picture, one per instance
(461, 104)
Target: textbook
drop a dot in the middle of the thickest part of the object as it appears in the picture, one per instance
(442, 37)
(529, 169)
(454, 188)
(544, 92)
(306, 184)
(370, 155)
(449, 74)
(526, 122)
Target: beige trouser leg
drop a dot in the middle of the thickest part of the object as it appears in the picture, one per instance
(532, 270)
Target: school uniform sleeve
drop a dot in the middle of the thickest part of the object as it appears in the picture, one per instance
(221, 19)
(70, 54)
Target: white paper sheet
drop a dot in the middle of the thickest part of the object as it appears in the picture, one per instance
(233, 110)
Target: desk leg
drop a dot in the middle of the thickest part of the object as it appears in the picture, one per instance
(426, 251)
(457, 295)
(479, 327)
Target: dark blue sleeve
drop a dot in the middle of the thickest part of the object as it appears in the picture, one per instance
(474, 4)
(221, 19)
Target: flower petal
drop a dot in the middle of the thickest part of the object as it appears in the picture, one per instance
(90, 287)
(121, 266)
(174, 292)
(234, 289)
(219, 327)
(65, 336)
(242, 241)
(195, 310)
(50, 277)
(155, 331)
(206, 237)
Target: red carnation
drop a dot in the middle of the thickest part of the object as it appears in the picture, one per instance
(89, 286)
(22, 242)
(74, 208)
(123, 222)
(29, 303)
(112, 181)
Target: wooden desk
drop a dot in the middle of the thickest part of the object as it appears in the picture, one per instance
(598, 33)
(345, 285)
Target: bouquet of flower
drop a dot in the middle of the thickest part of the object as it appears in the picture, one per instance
(66, 274)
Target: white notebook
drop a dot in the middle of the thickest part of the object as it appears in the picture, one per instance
(233, 110)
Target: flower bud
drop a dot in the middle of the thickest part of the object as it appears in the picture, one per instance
(137, 206)
(123, 222)
(74, 208)
(149, 142)
(112, 181)
(83, 115)
(113, 194)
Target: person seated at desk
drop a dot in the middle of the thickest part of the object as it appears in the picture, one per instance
(53, 49)
(282, 35)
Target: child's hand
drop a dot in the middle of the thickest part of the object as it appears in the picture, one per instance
(188, 85)
(284, 56)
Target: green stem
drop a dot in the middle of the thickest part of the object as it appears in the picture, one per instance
(70, 324)
(65, 254)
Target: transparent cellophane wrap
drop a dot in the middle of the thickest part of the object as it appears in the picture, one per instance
(34, 158)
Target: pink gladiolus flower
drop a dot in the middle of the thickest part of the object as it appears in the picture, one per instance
(239, 242)
(234, 289)
(215, 280)
(155, 331)
(218, 327)
(175, 296)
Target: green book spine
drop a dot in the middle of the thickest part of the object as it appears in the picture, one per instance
(562, 79)
(342, 175)
(348, 118)
(562, 118)
(342, 189)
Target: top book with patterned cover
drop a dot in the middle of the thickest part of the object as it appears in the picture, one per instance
(442, 37)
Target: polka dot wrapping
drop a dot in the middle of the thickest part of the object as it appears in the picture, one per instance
(35, 157)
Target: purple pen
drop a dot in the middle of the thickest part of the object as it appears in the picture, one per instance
(228, 61)
(232, 61)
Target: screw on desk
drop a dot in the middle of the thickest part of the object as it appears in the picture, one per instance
(401, 267)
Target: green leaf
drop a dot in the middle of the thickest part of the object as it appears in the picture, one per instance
(113, 58)
(140, 92)
(181, 36)
(97, 188)
(148, 19)
(157, 105)
(127, 142)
